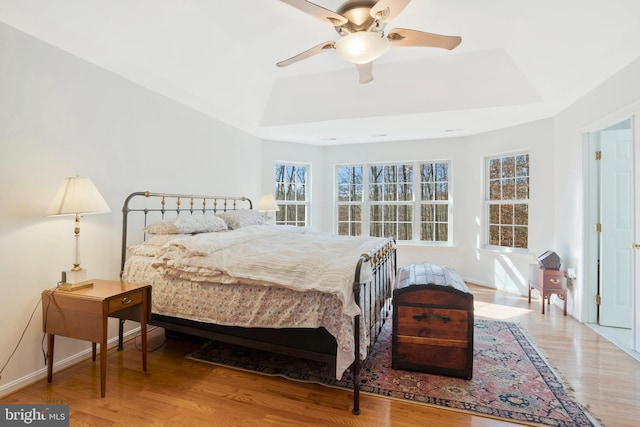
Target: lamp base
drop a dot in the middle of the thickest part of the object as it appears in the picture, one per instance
(75, 280)
(70, 287)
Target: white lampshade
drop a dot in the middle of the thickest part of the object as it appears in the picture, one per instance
(78, 196)
(361, 47)
(267, 203)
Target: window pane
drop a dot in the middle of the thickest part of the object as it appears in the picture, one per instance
(375, 229)
(405, 213)
(390, 213)
(506, 236)
(442, 232)
(508, 167)
(427, 213)
(508, 189)
(442, 213)
(521, 214)
(343, 213)
(522, 188)
(356, 213)
(344, 192)
(428, 191)
(442, 191)
(404, 231)
(375, 192)
(495, 169)
(522, 165)
(291, 213)
(520, 237)
(343, 229)
(442, 172)
(405, 192)
(426, 231)
(495, 192)
(390, 192)
(506, 214)
(494, 214)
(494, 235)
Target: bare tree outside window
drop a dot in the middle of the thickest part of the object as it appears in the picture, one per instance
(508, 201)
(291, 194)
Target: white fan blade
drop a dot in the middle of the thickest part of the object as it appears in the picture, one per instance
(307, 54)
(386, 10)
(405, 37)
(365, 71)
(318, 12)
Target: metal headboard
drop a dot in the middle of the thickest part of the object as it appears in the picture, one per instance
(163, 203)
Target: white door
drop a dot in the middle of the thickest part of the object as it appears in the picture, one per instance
(616, 217)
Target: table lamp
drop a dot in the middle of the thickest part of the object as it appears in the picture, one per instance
(267, 204)
(77, 196)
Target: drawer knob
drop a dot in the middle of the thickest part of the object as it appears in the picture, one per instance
(126, 300)
(427, 316)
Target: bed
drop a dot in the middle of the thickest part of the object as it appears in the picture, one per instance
(219, 270)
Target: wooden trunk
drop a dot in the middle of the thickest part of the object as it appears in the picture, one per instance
(433, 330)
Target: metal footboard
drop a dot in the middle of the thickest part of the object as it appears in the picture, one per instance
(374, 299)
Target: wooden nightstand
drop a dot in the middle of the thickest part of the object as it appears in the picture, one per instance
(83, 314)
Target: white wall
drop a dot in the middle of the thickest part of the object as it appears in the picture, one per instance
(509, 271)
(59, 117)
(614, 99)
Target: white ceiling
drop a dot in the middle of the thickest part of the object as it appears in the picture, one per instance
(519, 61)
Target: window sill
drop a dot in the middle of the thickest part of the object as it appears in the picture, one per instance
(510, 251)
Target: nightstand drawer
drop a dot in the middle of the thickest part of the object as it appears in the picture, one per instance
(123, 301)
(553, 280)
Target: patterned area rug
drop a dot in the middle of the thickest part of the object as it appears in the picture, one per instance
(511, 380)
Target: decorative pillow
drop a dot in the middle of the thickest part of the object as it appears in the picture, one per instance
(187, 224)
(242, 218)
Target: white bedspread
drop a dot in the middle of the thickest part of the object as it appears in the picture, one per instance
(293, 257)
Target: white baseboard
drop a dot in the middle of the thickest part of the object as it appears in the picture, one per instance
(58, 365)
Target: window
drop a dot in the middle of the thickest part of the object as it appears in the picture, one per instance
(291, 194)
(380, 200)
(350, 200)
(391, 201)
(508, 201)
(434, 206)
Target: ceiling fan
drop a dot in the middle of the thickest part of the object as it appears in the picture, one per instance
(360, 24)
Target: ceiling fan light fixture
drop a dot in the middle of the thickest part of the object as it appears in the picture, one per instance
(361, 47)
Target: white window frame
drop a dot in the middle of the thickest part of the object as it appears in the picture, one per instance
(416, 203)
(488, 202)
(283, 204)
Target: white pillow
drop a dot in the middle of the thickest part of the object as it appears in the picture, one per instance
(187, 224)
(242, 218)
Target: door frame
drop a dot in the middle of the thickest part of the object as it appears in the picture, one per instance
(591, 216)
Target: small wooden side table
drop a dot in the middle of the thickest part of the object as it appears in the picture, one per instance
(84, 313)
(548, 282)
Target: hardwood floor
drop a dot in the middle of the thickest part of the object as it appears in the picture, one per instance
(178, 392)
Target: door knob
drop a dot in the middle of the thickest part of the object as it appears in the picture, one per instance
(635, 245)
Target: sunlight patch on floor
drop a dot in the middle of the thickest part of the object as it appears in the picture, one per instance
(498, 311)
